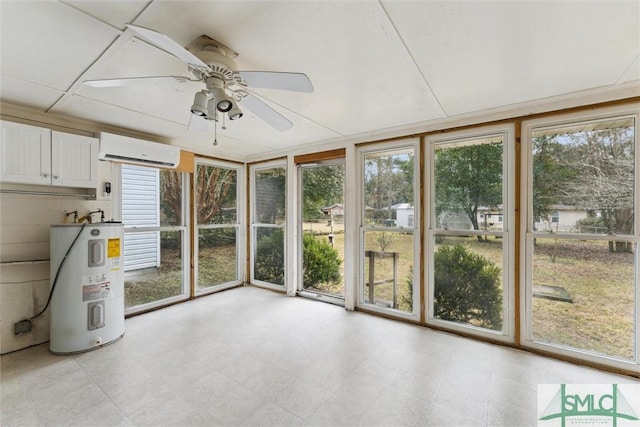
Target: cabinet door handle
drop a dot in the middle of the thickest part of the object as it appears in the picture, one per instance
(55, 177)
(45, 175)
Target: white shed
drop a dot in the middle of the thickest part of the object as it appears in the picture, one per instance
(405, 216)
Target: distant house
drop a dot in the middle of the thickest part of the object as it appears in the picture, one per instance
(490, 217)
(563, 218)
(334, 210)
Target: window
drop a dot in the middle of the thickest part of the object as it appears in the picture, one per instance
(218, 216)
(268, 224)
(156, 249)
(389, 240)
(582, 265)
(322, 230)
(469, 251)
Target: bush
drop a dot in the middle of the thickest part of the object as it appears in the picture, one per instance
(217, 236)
(408, 300)
(321, 262)
(591, 224)
(170, 240)
(269, 260)
(467, 288)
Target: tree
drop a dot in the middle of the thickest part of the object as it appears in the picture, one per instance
(322, 186)
(549, 175)
(468, 177)
(603, 161)
(270, 195)
(588, 169)
(467, 288)
(388, 181)
(171, 197)
(215, 188)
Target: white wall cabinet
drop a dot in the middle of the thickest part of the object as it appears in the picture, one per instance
(35, 155)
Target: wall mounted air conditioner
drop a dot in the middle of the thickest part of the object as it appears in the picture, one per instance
(137, 151)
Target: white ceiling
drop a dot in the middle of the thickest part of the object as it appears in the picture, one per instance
(375, 65)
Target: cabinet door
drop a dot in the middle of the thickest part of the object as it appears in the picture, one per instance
(74, 160)
(25, 154)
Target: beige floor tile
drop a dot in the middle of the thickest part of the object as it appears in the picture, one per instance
(253, 357)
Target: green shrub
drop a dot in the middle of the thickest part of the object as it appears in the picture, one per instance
(269, 260)
(217, 236)
(408, 300)
(321, 261)
(467, 288)
(170, 240)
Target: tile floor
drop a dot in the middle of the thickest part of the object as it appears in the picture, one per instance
(253, 357)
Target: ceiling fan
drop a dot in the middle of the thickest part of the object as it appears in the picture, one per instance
(226, 87)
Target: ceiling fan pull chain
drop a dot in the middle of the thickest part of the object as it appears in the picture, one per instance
(215, 131)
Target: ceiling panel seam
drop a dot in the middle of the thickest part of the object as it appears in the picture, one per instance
(106, 53)
(117, 43)
(84, 12)
(413, 60)
(627, 71)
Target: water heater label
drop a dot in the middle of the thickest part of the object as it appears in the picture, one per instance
(113, 248)
(96, 292)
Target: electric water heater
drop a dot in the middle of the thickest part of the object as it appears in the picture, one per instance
(87, 277)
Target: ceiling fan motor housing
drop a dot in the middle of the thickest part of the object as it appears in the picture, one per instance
(220, 64)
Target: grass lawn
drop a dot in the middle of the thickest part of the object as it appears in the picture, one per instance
(601, 283)
(217, 265)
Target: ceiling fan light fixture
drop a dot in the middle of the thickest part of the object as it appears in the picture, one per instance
(199, 107)
(235, 112)
(224, 105)
(223, 102)
(211, 110)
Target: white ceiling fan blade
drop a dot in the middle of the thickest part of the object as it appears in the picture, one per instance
(167, 44)
(266, 113)
(198, 124)
(297, 82)
(130, 81)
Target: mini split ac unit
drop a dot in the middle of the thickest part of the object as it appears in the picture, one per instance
(137, 151)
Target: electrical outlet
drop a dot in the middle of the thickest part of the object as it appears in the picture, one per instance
(22, 327)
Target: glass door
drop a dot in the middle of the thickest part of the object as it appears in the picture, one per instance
(156, 240)
(217, 214)
(268, 218)
(321, 244)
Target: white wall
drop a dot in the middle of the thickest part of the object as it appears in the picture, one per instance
(24, 254)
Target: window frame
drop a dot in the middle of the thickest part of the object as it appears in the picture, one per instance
(254, 226)
(507, 334)
(238, 225)
(185, 250)
(527, 234)
(361, 152)
(299, 289)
